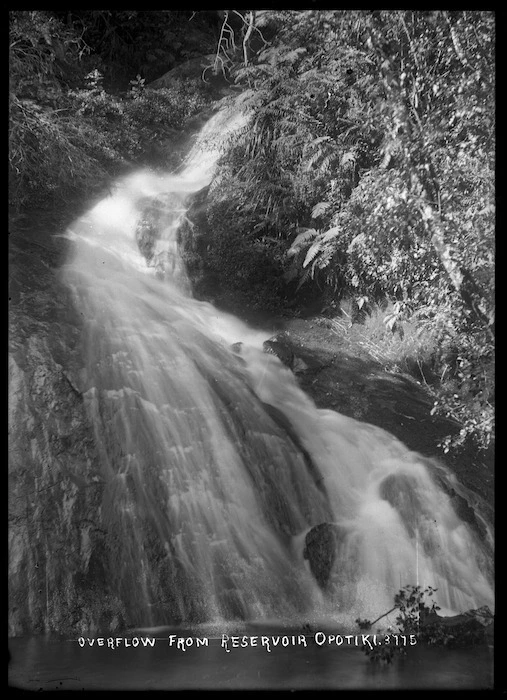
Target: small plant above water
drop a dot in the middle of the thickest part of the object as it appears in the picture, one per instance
(419, 622)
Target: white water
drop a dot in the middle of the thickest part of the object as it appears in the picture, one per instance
(207, 498)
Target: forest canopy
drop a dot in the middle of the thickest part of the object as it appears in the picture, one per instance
(366, 173)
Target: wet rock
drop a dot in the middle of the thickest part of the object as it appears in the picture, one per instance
(400, 491)
(320, 550)
(279, 346)
(343, 376)
(283, 422)
(463, 509)
(299, 365)
(470, 627)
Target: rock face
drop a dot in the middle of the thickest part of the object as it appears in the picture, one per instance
(320, 550)
(463, 508)
(278, 346)
(57, 577)
(337, 374)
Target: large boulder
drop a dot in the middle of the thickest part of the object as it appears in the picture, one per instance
(320, 550)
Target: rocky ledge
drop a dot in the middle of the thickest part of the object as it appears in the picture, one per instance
(343, 377)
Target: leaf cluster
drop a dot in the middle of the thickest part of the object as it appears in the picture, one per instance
(370, 155)
(67, 133)
(415, 606)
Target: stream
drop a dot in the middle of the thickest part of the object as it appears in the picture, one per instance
(218, 471)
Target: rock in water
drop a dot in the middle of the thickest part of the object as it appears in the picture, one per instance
(320, 550)
(470, 627)
(279, 347)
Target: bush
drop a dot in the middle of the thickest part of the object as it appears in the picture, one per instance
(417, 616)
(50, 154)
(67, 133)
(370, 155)
(240, 273)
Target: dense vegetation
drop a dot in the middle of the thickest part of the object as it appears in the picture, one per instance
(68, 131)
(366, 173)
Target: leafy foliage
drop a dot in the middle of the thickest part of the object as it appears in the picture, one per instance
(67, 132)
(366, 171)
(236, 273)
(370, 157)
(417, 615)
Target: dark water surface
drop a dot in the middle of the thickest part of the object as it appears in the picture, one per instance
(41, 663)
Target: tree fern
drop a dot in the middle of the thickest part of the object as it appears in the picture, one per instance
(301, 241)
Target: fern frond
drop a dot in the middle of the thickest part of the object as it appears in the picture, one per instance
(304, 237)
(313, 251)
(330, 234)
(307, 274)
(355, 241)
(320, 209)
(318, 140)
(325, 257)
(269, 55)
(292, 56)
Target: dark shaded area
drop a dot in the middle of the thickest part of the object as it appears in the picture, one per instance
(276, 346)
(463, 508)
(239, 272)
(320, 550)
(400, 491)
(148, 43)
(38, 662)
(470, 628)
(281, 420)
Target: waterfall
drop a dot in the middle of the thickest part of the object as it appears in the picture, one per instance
(216, 466)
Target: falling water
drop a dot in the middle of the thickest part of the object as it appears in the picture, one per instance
(216, 465)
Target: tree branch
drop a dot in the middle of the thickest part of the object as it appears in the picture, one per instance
(455, 41)
(251, 24)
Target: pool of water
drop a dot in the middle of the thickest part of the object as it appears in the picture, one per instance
(42, 663)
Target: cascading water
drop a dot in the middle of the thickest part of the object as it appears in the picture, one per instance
(216, 466)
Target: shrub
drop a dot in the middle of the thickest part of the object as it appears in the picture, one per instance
(67, 133)
(370, 156)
